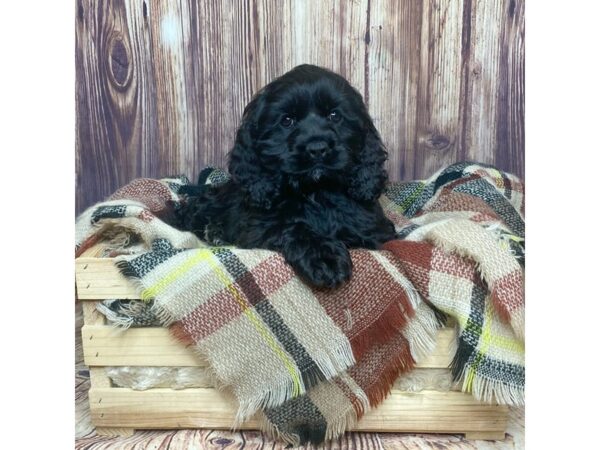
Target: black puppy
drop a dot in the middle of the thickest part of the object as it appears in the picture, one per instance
(307, 170)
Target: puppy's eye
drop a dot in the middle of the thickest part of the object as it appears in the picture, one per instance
(334, 116)
(287, 122)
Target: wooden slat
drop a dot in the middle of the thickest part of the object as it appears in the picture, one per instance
(427, 411)
(434, 379)
(98, 378)
(91, 316)
(99, 279)
(485, 435)
(107, 346)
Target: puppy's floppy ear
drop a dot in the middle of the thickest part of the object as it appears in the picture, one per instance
(369, 176)
(245, 165)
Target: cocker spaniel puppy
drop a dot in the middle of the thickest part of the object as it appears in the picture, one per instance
(307, 170)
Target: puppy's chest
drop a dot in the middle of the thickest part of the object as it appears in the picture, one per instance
(330, 214)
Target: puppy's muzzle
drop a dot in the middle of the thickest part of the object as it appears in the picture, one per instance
(318, 150)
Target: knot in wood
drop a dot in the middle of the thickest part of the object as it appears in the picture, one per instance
(437, 142)
(476, 69)
(120, 69)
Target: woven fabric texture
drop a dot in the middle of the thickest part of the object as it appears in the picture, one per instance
(310, 363)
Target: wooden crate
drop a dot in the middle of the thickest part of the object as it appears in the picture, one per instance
(120, 411)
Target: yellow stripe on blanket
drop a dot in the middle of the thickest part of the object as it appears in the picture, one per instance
(258, 324)
(500, 341)
(410, 200)
(177, 272)
(486, 338)
(204, 255)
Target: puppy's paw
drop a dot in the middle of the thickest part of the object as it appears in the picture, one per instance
(325, 265)
(262, 194)
(214, 235)
(367, 183)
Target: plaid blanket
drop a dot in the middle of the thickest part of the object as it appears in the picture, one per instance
(310, 363)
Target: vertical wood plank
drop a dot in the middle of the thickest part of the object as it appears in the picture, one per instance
(146, 146)
(224, 75)
(480, 140)
(211, 82)
(510, 151)
(439, 87)
(393, 72)
(95, 25)
(331, 34)
(112, 89)
(170, 53)
(274, 38)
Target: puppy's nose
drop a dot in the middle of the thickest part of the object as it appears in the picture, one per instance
(317, 149)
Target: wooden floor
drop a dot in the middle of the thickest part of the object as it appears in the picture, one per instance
(86, 437)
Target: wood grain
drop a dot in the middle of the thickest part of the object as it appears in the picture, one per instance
(511, 88)
(148, 346)
(393, 66)
(99, 279)
(160, 86)
(426, 411)
(484, 65)
(438, 120)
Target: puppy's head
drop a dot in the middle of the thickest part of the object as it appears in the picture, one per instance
(308, 129)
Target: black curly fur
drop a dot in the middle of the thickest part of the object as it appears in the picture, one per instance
(305, 182)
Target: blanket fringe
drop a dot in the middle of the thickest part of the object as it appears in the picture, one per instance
(482, 388)
(388, 324)
(113, 234)
(126, 270)
(341, 424)
(118, 320)
(401, 362)
(329, 366)
(336, 427)
(489, 390)
(272, 430)
(165, 318)
(436, 236)
(421, 332)
(119, 238)
(277, 394)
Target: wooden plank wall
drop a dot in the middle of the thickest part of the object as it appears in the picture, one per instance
(161, 85)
